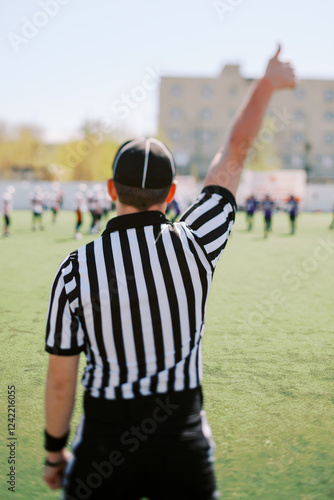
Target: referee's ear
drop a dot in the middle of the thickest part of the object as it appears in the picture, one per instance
(171, 193)
(111, 189)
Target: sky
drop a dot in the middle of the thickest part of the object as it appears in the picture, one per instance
(68, 61)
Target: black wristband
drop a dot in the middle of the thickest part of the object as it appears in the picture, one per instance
(54, 444)
(47, 463)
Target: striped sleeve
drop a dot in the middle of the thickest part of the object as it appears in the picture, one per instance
(64, 335)
(210, 218)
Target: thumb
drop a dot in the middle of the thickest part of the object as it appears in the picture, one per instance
(277, 52)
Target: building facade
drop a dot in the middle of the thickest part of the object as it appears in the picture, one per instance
(298, 131)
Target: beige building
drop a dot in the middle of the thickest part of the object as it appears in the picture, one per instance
(298, 131)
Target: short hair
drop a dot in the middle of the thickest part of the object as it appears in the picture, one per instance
(141, 198)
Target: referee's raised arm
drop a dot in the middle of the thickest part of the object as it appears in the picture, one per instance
(226, 166)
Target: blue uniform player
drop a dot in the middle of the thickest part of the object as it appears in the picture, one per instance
(173, 210)
(268, 207)
(250, 211)
(292, 208)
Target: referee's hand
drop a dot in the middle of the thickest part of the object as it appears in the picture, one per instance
(280, 74)
(53, 475)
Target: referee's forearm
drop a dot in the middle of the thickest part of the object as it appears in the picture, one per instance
(226, 167)
(249, 118)
(60, 393)
(59, 404)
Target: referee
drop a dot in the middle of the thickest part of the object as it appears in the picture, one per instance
(134, 301)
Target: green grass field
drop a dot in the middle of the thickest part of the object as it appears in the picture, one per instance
(268, 356)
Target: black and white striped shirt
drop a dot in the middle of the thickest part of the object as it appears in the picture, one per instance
(134, 299)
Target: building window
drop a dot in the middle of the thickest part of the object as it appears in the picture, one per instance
(176, 114)
(327, 161)
(297, 160)
(329, 95)
(175, 135)
(205, 136)
(206, 114)
(176, 91)
(329, 138)
(329, 116)
(299, 115)
(299, 94)
(206, 91)
(298, 138)
(181, 159)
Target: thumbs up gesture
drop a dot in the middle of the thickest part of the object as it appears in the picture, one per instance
(280, 74)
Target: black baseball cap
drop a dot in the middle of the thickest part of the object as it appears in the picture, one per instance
(145, 162)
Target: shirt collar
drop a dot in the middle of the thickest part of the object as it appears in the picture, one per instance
(137, 219)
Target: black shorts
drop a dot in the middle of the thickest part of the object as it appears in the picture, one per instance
(159, 452)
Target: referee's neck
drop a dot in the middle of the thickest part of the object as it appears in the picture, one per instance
(122, 209)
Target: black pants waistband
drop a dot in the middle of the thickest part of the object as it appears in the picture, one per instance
(178, 406)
